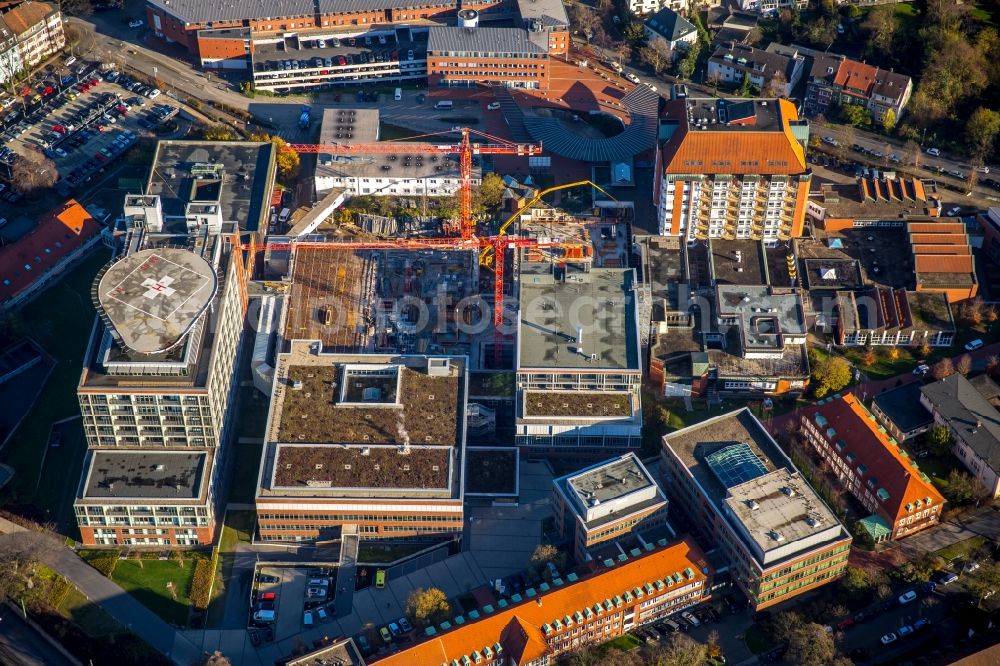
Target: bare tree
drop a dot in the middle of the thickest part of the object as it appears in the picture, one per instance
(913, 149)
(964, 365)
(33, 171)
(776, 86)
(657, 55)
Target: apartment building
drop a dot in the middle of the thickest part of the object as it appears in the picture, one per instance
(881, 316)
(746, 497)
(732, 168)
(835, 80)
(872, 467)
(156, 391)
(671, 28)
(774, 73)
(968, 408)
(605, 502)
(10, 53)
(38, 29)
(770, 8)
(641, 586)
(370, 443)
(578, 361)
(900, 412)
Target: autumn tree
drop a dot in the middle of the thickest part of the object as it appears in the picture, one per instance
(855, 114)
(489, 196)
(680, 650)
(34, 171)
(426, 606)
(894, 352)
(964, 365)
(808, 642)
(984, 583)
(915, 153)
(992, 364)
(981, 131)
(216, 659)
(584, 20)
(943, 368)
(76, 7)
(925, 349)
(218, 133)
(776, 86)
(287, 160)
(829, 373)
(880, 27)
(960, 488)
(856, 585)
(939, 440)
(870, 358)
(888, 119)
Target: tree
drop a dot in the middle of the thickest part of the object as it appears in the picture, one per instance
(657, 55)
(925, 349)
(218, 133)
(888, 119)
(981, 131)
(76, 7)
(490, 193)
(746, 88)
(880, 27)
(961, 488)
(856, 584)
(964, 365)
(689, 63)
(34, 171)
(426, 606)
(984, 583)
(216, 659)
(972, 311)
(943, 368)
(829, 373)
(855, 114)
(939, 440)
(635, 33)
(584, 20)
(915, 153)
(870, 358)
(679, 650)
(776, 86)
(992, 364)
(288, 160)
(624, 53)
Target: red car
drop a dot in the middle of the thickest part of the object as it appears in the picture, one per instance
(93, 82)
(59, 128)
(48, 91)
(844, 624)
(267, 596)
(84, 87)
(122, 109)
(99, 157)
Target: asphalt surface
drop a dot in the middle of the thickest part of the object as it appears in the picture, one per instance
(22, 645)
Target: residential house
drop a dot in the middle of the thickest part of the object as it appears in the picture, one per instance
(38, 27)
(671, 28)
(771, 73)
(836, 80)
(10, 53)
(962, 406)
(872, 466)
(770, 8)
(900, 411)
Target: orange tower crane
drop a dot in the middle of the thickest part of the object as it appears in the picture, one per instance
(466, 148)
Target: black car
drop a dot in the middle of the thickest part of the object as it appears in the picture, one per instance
(254, 637)
(269, 633)
(267, 578)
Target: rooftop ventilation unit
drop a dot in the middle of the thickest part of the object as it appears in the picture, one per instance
(788, 491)
(297, 384)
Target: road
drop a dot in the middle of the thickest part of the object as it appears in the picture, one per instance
(22, 645)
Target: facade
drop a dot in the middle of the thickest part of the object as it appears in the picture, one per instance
(10, 53)
(640, 587)
(893, 317)
(972, 419)
(989, 222)
(871, 466)
(732, 169)
(460, 57)
(768, 71)
(671, 28)
(770, 7)
(156, 391)
(61, 238)
(38, 28)
(606, 501)
(745, 496)
(382, 457)
(835, 80)
(578, 377)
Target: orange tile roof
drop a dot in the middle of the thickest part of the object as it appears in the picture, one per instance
(897, 474)
(23, 17)
(736, 151)
(939, 239)
(520, 625)
(57, 235)
(939, 263)
(934, 248)
(855, 75)
(936, 228)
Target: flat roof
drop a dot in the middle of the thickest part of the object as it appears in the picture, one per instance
(243, 193)
(341, 653)
(763, 317)
(271, 52)
(578, 403)
(309, 466)
(737, 261)
(381, 165)
(340, 125)
(902, 406)
(146, 474)
(609, 480)
(772, 470)
(600, 301)
(832, 274)
(151, 299)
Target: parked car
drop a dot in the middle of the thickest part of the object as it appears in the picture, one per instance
(934, 151)
(307, 618)
(254, 637)
(394, 629)
(322, 615)
(905, 630)
(907, 597)
(921, 369)
(946, 577)
(266, 596)
(137, 23)
(384, 633)
(970, 567)
(953, 211)
(889, 638)
(405, 625)
(845, 624)
(974, 345)
(691, 619)
(268, 578)
(921, 623)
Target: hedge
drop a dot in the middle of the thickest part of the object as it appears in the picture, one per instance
(105, 564)
(201, 583)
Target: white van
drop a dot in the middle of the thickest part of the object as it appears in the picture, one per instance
(285, 214)
(399, 94)
(445, 105)
(264, 616)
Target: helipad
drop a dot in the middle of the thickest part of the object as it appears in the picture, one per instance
(153, 298)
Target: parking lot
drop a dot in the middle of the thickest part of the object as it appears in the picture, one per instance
(289, 600)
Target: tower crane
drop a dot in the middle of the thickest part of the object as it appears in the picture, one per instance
(466, 149)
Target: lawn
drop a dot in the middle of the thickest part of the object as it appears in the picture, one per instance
(60, 321)
(884, 365)
(162, 586)
(938, 468)
(90, 617)
(962, 548)
(624, 643)
(238, 526)
(757, 638)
